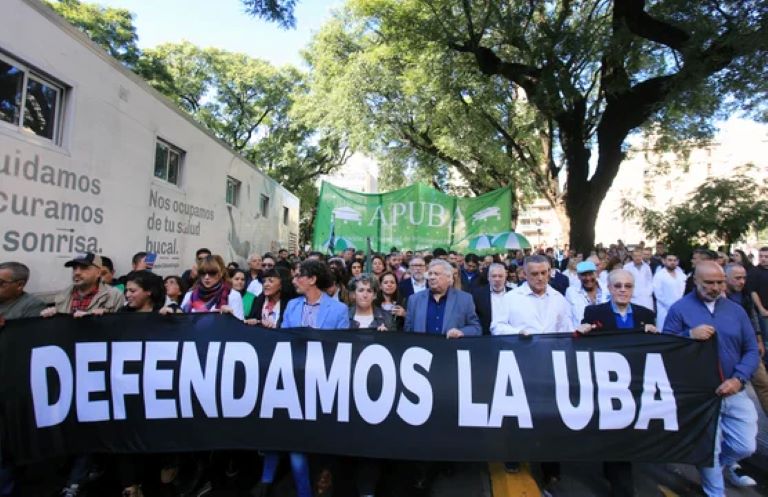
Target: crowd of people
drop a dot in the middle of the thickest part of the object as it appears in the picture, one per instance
(723, 297)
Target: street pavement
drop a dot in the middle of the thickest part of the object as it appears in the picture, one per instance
(456, 480)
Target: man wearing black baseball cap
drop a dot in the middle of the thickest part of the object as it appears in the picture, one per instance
(87, 294)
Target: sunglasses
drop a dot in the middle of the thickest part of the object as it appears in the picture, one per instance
(619, 286)
(211, 272)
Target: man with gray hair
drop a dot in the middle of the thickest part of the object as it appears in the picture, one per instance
(489, 299)
(443, 310)
(15, 303)
(533, 307)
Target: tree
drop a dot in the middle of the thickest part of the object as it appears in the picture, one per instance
(246, 102)
(249, 104)
(111, 28)
(279, 11)
(596, 71)
(426, 114)
(720, 211)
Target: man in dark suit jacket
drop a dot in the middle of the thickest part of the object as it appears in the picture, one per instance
(471, 276)
(484, 295)
(617, 314)
(417, 282)
(442, 310)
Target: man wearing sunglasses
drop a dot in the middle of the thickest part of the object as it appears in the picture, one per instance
(619, 313)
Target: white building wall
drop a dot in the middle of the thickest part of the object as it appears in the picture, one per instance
(111, 122)
(360, 174)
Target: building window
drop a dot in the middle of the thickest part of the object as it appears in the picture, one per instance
(168, 160)
(233, 191)
(264, 205)
(30, 100)
(286, 215)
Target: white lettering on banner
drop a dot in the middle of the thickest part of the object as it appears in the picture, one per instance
(123, 383)
(398, 210)
(378, 213)
(334, 385)
(415, 413)
(193, 378)
(656, 381)
(239, 353)
(88, 382)
(436, 214)
(374, 411)
(156, 379)
(274, 397)
(470, 413)
(608, 364)
(656, 402)
(165, 378)
(514, 405)
(41, 361)
(508, 377)
(575, 417)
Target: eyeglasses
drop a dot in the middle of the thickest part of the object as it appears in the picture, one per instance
(267, 265)
(7, 282)
(619, 286)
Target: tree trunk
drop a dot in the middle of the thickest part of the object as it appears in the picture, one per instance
(583, 218)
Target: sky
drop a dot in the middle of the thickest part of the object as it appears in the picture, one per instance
(224, 24)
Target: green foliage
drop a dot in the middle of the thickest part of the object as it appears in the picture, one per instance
(720, 211)
(246, 102)
(426, 115)
(279, 11)
(541, 84)
(111, 28)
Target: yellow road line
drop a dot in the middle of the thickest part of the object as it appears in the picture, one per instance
(667, 492)
(520, 484)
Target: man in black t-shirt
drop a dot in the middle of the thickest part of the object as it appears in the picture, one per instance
(758, 286)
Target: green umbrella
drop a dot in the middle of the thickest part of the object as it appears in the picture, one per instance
(341, 245)
(510, 240)
(481, 244)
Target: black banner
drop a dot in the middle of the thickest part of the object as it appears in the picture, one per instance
(149, 383)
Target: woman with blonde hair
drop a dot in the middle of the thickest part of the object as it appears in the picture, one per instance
(212, 291)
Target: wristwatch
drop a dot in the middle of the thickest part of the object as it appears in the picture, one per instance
(742, 381)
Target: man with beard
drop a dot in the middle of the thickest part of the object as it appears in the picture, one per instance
(668, 286)
(706, 314)
(87, 294)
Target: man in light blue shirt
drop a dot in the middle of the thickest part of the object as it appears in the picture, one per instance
(702, 315)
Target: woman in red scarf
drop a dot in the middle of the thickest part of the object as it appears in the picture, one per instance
(212, 292)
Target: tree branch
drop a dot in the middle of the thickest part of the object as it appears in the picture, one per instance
(642, 24)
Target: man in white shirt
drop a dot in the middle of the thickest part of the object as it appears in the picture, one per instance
(641, 271)
(534, 307)
(489, 299)
(589, 292)
(668, 287)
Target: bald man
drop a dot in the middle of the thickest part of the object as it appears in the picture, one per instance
(705, 314)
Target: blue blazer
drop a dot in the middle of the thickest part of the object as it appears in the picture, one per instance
(459, 313)
(332, 315)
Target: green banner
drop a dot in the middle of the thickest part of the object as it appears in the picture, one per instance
(414, 218)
